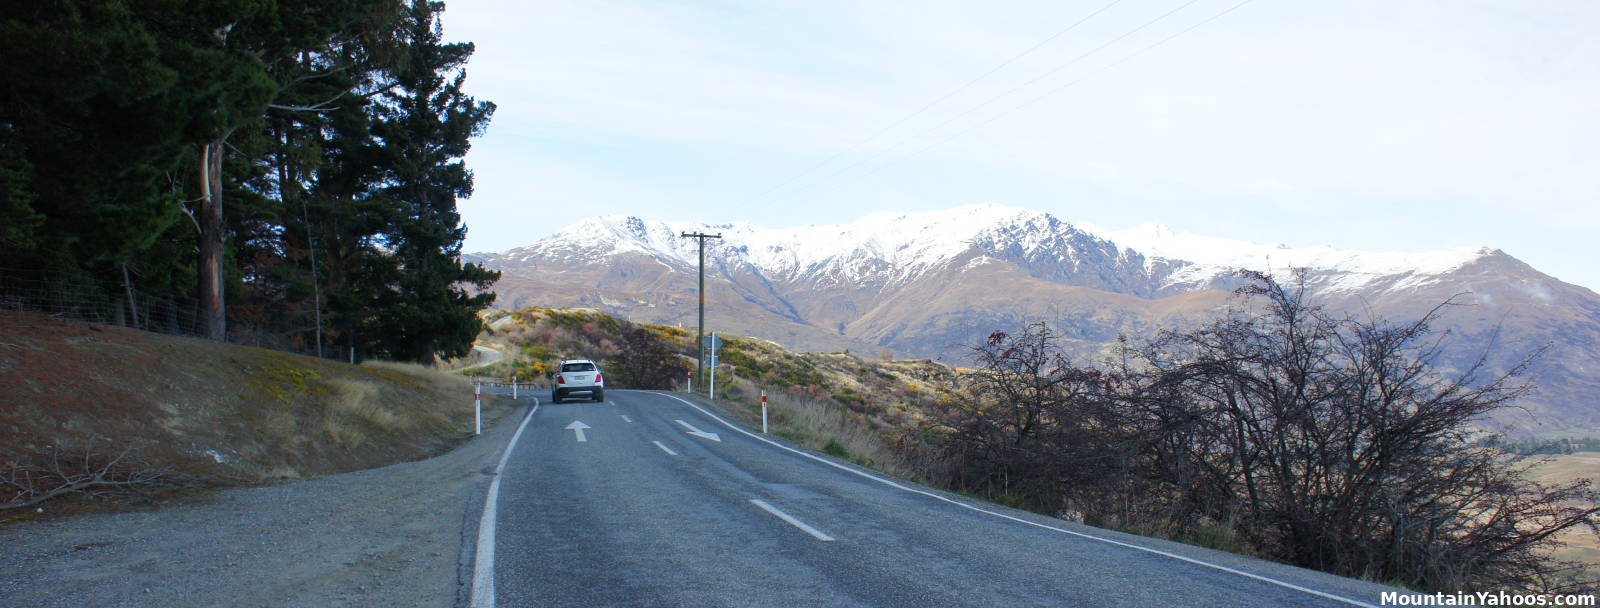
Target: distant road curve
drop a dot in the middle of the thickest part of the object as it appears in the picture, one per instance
(486, 356)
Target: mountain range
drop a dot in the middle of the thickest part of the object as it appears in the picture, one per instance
(930, 284)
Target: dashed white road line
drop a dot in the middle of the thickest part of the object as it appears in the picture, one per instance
(664, 448)
(898, 486)
(792, 521)
(627, 420)
(483, 562)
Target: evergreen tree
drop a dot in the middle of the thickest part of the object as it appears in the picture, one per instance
(85, 140)
(428, 120)
(333, 129)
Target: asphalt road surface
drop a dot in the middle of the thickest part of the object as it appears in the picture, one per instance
(633, 502)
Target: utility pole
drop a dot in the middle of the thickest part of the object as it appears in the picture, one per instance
(700, 337)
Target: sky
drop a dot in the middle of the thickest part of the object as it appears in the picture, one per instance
(1376, 125)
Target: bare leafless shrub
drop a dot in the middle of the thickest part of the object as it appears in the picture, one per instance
(1322, 441)
(1031, 425)
(646, 360)
(93, 469)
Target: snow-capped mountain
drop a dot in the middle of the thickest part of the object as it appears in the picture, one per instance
(926, 284)
(882, 248)
(890, 249)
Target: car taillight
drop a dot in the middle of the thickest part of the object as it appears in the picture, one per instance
(597, 377)
(561, 379)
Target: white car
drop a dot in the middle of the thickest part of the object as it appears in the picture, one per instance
(578, 376)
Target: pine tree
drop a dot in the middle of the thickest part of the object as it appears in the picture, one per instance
(85, 143)
(427, 121)
(333, 130)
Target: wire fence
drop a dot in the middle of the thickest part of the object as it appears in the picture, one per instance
(88, 301)
(524, 384)
(121, 304)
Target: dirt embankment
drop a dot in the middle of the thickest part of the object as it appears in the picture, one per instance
(208, 412)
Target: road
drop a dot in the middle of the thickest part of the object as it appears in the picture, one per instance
(486, 356)
(633, 502)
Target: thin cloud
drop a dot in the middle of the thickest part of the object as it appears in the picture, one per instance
(1310, 124)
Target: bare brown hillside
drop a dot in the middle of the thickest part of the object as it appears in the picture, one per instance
(929, 285)
(206, 413)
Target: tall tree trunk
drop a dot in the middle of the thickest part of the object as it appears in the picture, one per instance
(133, 303)
(288, 180)
(213, 233)
(316, 285)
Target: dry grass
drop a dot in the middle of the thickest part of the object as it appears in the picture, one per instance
(355, 412)
(374, 409)
(1581, 545)
(818, 424)
(221, 412)
(428, 378)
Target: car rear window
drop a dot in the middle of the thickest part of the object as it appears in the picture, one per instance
(578, 367)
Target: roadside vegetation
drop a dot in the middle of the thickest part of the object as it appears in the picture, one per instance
(1278, 430)
(103, 415)
(536, 340)
(1281, 431)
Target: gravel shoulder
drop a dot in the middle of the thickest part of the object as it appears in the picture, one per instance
(399, 535)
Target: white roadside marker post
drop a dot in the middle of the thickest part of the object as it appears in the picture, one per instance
(763, 412)
(477, 409)
(691, 382)
(513, 388)
(713, 360)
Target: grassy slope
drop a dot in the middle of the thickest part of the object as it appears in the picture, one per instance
(1582, 545)
(225, 413)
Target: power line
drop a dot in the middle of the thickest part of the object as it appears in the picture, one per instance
(764, 195)
(1049, 93)
(1012, 90)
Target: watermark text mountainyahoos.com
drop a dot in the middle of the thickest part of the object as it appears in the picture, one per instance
(1484, 598)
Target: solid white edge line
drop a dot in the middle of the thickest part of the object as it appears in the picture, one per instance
(483, 562)
(1264, 579)
(792, 521)
(664, 448)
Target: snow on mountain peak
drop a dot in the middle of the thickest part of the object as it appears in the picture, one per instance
(888, 245)
(1213, 256)
(895, 247)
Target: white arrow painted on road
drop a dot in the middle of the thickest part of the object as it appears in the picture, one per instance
(699, 433)
(578, 427)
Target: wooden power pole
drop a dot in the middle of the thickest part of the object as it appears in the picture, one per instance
(700, 337)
